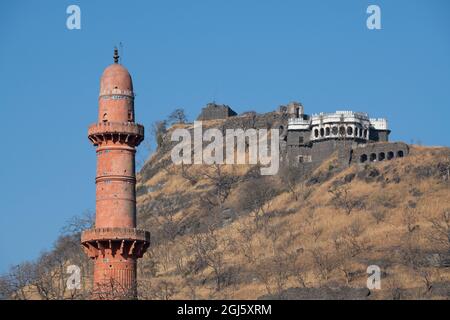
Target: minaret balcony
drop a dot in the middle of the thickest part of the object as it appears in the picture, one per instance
(126, 132)
(124, 241)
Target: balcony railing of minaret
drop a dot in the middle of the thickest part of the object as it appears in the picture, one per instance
(131, 127)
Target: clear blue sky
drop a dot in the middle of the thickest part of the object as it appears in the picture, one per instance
(252, 55)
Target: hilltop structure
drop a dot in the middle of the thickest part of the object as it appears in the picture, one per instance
(307, 140)
(115, 244)
(216, 111)
(310, 139)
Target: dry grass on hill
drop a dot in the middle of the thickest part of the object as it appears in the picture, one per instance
(224, 232)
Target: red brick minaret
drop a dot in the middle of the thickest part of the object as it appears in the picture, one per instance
(115, 244)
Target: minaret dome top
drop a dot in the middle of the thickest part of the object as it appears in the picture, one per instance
(115, 77)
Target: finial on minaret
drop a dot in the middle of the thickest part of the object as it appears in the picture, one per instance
(116, 55)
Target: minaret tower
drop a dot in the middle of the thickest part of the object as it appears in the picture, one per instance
(115, 244)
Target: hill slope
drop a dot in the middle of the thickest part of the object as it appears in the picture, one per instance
(226, 232)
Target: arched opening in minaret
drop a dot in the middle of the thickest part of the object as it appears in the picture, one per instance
(381, 156)
(373, 157)
(105, 117)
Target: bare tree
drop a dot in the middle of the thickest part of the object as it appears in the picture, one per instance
(177, 116)
(221, 183)
(324, 262)
(50, 276)
(17, 283)
(188, 175)
(208, 250)
(156, 289)
(142, 153)
(444, 170)
(348, 246)
(158, 130)
(378, 215)
(78, 223)
(394, 287)
(291, 177)
(343, 199)
(256, 197)
(113, 290)
(440, 230)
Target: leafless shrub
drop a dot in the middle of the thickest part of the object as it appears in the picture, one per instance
(440, 230)
(256, 198)
(148, 266)
(158, 130)
(343, 199)
(207, 249)
(17, 282)
(113, 290)
(426, 276)
(394, 287)
(444, 170)
(348, 246)
(344, 260)
(324, 262)
(187, 174)
(177, 116)
(246, 232)
(409, 218)
(156, 289)
(293, 180)
(222, 184)
(378, 215)
(78, 223)
(386, 200)
(50, 276)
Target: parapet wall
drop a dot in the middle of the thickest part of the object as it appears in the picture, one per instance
(116, 127)
(115, 234)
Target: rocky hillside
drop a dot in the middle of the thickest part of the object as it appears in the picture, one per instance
(227, 232)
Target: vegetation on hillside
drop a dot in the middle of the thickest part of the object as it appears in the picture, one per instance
(221, 232)
(227, 232)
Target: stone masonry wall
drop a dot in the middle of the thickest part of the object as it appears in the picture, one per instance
(379, 151)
